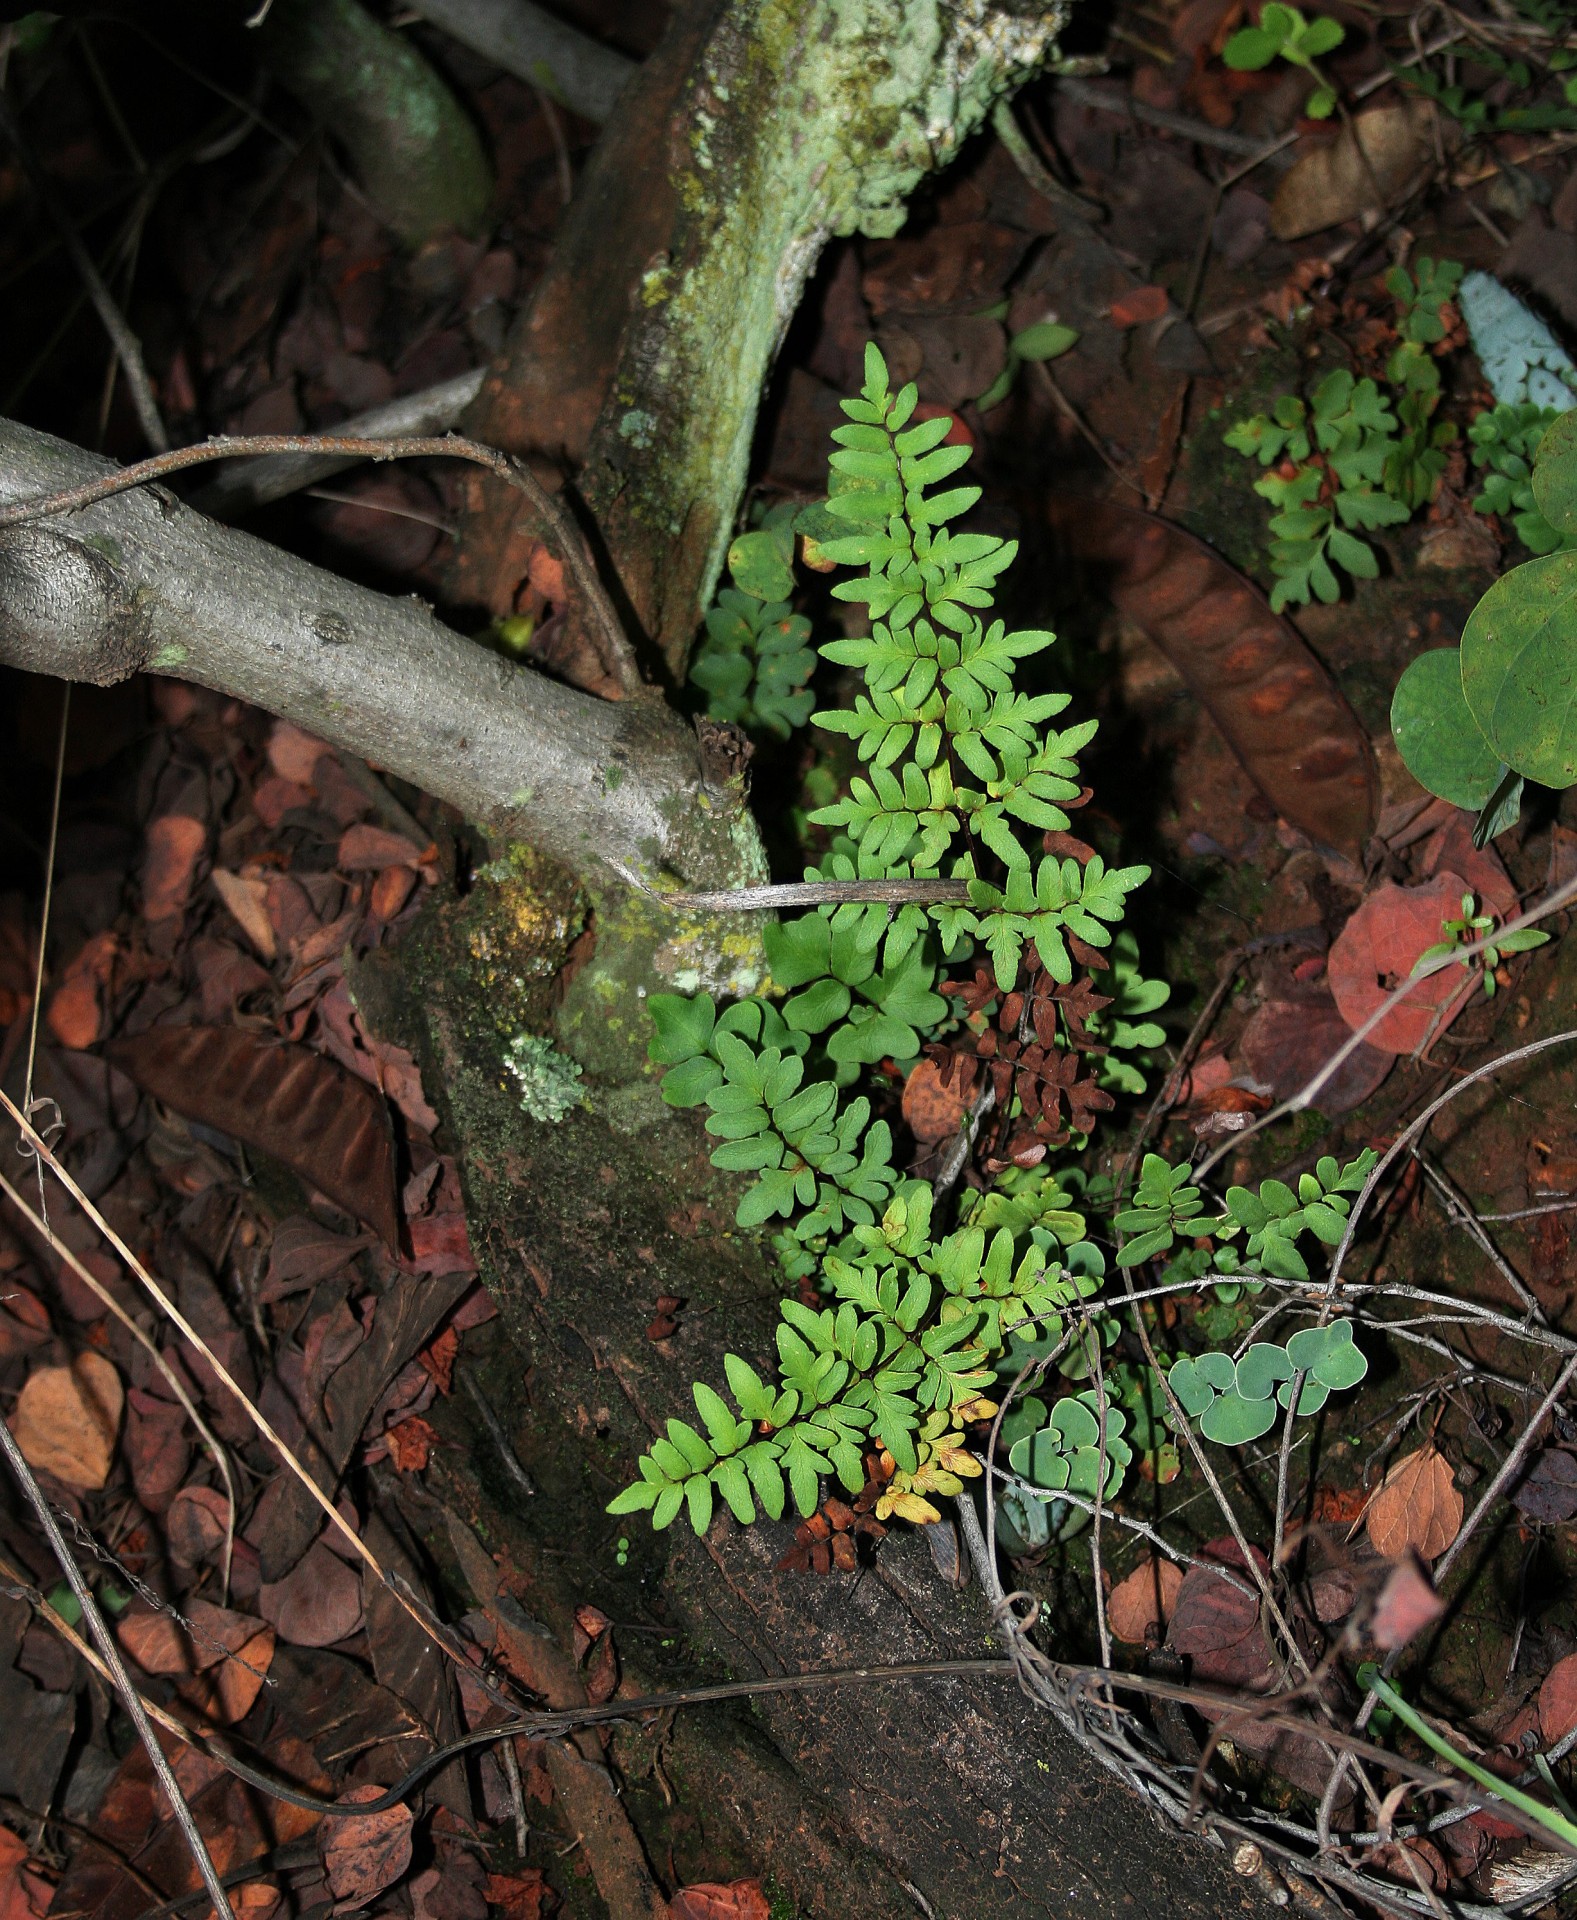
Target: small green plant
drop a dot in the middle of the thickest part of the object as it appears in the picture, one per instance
(754, 662)
(1236, 1401)
(549, 1081)
(1473, 723)
(968, 778)
(1283, 33)
(1506, 440)
(1045, 340)
(1479, 116)
(1354, 458)
(1466, 931)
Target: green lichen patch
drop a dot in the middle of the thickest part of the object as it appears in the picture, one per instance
(549, 1081)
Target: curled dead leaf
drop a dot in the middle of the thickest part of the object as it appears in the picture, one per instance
(66, 1420)
(1417, 1507)
(1371, 162)
(246, 898)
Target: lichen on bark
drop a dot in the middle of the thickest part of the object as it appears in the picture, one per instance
(800, 122)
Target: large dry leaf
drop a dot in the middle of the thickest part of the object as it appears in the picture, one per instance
(317, 1603)
(170, 860)
(1334, 180)
(707, 1900)
(1141, 1605)
(1288, 1040)
(246, 896)
(1278, 709)
(222, 1660)
(1558, 1700)
(1376, 952)
(66, 1420)
(365, 1852)
(24, 1892)
(286, 1101)
(1417, 1507)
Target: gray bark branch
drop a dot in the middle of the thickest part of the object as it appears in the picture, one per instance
(579, 72)
(139, 583)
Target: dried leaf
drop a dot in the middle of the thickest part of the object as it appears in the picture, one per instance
(368, 849)
(283, 1100)
(1330, 182)
(1141, 1604)
(1278, 709)
(317, 1603)
(194, 1527)
(1406, 1604)
(24, 1892)
(739, 1900)
(1558, 1700)
(74, 1014)
(1143, 304)
(933, 1110)
(66, 1420)
(292, 754)
(1288, 1040)
(1418, 1507)
(410, 1443)
(1376, 951)
(174, 842)
(365, 1853)
(1549, 1493)
(518, 1895)
(1216, 1619)
(390, 891)
(246, 897)
(156, 1448)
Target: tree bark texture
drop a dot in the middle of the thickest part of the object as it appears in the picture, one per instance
(784, 123)
(140, 583)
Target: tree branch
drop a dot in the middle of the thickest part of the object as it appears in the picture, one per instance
(140, 583)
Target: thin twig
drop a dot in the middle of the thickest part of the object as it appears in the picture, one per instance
(121, 1679)
(802, 893)
(1462, 1215)
(618, 657)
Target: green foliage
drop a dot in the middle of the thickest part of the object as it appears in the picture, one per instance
(1506, 440)
(1045, 340)
(754, 662)
(1479, 116)
(1283, 32)
(1353, 457)
(1467, 931)
(549, 1081)
(1235, 1402)
(1512, 703)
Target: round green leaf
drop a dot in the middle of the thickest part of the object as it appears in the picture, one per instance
(1519, 668)
(1041, 1460)
(1023, 1526)
(1046, 340)
(1231, 1420)
(1023, 1418)
(1555, 475)
(760, 566)
(1261, 1368)
(1439, 740)
(1308, 1347)
(1075, 1424)
(1197, 1382)
(1314, 1395)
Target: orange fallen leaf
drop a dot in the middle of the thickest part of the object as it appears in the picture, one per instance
(66, 1420)
(293, 754)
(1417, 1506)
(931, 1111)
(169, 861)
(73, 1015)
(1135, 308)
(410, 1444)
(366, 1852)
(24, 1892)
(1376, 952)
(364, 849)
(519, 1894)
(390, 891)
(1558, 1700)
(1144, 1600)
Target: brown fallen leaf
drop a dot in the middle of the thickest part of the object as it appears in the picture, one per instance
(67, 1418)
(1385, 148)
(293, 754)
(25, 1893)
(246, 898)
(74, 1014)
(287, 1101)
(317, 1603)
(365, 1853)
(174, 842)
(1141, 1604)
(1417, 1507)
(1548, 1494)
(1376, 952)
(518, 1895)
(369, 849)
(933, 1111)
(194, 1526)
(1405, 1605)
(1277, 707)
(1289, 1039)
(1133, 309)
(410, 1444)
(390, 891)
(157, 1449)
(739, 1900)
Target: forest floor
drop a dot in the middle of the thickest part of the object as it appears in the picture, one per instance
(218, 877)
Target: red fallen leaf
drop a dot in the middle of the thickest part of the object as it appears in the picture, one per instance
(1450, 849)
(365, 1853)
(591, 1623)
(292, 754)
(1216, 1622)
(665, 1321)
(273, 798)
(317, 1603)
(1407, 1603)
(1287, 1041)
(739, 1900)
(1277, 707)
(287, 1101)
(518, 1895)
(174, 842)
(73, 1015)
(1142, 1603)
(475, 1308)
(194, 1526)
(156, 1447)
(1142, 304)
(440, 1244)
(24, 1892)
(438, 1357)
(1558, 1700)
(224, 975)
(410, 1444)
(1375, 952)
(369, 849)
